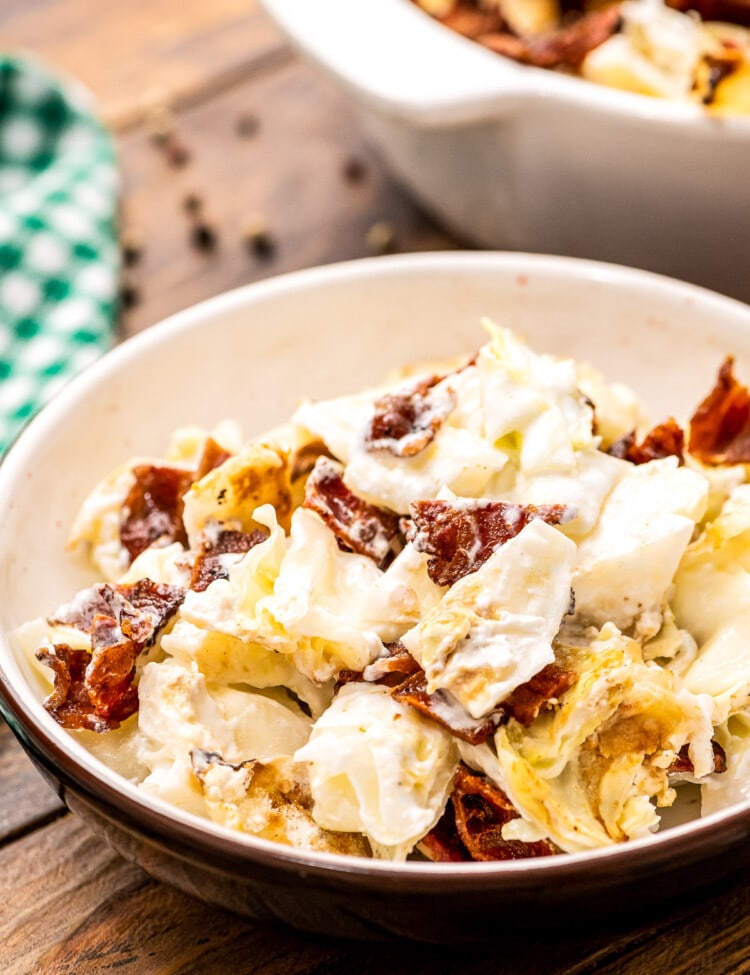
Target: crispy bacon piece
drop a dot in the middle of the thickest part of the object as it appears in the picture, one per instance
(443, 844)
(96, 690)
(527, 700)
(462, 536)
(398, 665)
(481, 811)
(93, 691)
(102, 599)
(158, 600)
(401, 672)
(731, 11)
(349, 677)
(69, 702)
(683, 763)
(665, 440)
(440, 707)
(153, 508)
(360, 527)
(391, 670)
(406, 421)
(110, 674)
(146, 606)
(567, 46)
(720, 427)
(209, 566)
(523, 704)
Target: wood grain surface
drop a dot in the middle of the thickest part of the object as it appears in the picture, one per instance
(289, 177)
(130, 52)
(73, 906)
(69, 904)
(26, 801)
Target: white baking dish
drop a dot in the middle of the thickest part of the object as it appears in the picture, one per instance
(521, 158)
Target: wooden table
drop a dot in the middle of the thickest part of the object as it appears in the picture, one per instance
(269, 143)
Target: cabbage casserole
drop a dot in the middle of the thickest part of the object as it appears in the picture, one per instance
(683, 50)
(485, 611)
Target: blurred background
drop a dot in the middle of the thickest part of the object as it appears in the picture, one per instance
(237, 160)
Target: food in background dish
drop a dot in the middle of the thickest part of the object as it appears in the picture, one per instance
(485, 611)
(684, 50)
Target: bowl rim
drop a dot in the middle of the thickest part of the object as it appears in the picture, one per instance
(47, 741)
(458, 81)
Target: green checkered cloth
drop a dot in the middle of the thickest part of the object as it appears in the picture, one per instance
(59, 256)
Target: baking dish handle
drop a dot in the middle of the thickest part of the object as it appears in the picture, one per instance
(394, 56)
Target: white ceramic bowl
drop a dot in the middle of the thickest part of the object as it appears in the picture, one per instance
(250, 354)
(516, 157)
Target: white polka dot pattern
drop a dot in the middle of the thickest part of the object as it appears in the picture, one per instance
(59, 257)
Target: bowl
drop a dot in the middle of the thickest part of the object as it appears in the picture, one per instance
(250, 354)
(520, 158)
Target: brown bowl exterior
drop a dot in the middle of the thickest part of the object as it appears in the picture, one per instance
(431, 903)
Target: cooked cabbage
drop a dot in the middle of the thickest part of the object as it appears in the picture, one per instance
(314, 695)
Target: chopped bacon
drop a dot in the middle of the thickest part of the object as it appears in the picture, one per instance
(523, 704)
(153, 508)
(360, 527)
(401, 672)
(349, 677)
(442, 708)
(93, 690)
(406, 421)
(684, 764)
(443, 844)
(69, 702)
(96, 690)
(665, 440)
(212, 456)
(100, 600)
(146, 606)
(152, 511)
(567, 46)
(462, 536)
(158, 600)
(720, 427)
(481, 811)
(398, 664)
(538, 693)
(390, 670)
(110, 674)
(209, 565)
